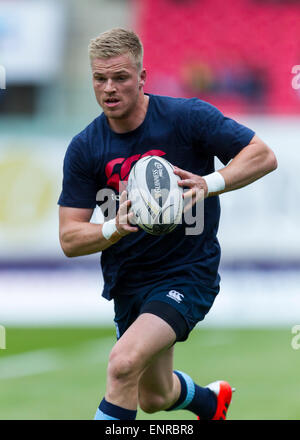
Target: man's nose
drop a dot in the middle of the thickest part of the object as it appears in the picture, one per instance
(109, 86)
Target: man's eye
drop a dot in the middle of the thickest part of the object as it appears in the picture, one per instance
(99, 78)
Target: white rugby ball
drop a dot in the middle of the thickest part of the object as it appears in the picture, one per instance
(156, 198)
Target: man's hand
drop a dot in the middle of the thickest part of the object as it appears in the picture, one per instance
(198, 187)
(250, 164)
(123, 217)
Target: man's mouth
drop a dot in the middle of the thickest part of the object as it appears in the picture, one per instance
(111, 102)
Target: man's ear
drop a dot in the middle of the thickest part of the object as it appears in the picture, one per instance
(143, 76)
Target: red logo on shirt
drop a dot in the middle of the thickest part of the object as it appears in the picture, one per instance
(113, 179)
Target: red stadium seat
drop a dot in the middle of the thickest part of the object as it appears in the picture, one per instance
(247, 44)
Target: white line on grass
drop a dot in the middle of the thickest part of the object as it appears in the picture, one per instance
(43, 361)
(29, 363)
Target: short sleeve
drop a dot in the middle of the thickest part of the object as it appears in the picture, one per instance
(215, 133)
(79, 187)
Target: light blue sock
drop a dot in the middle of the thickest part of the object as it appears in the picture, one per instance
(102, 416)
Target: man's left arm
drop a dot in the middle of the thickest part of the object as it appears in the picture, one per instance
(251, 163)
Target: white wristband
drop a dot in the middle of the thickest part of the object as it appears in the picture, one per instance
(215, 182)
(109, 228)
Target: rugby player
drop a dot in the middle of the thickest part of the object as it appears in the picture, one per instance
(162, 286)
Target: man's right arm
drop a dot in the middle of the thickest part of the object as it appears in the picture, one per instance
(80, 237)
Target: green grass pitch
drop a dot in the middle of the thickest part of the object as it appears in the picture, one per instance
(59, 373)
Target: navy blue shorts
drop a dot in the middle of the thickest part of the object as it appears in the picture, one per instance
(181, 304)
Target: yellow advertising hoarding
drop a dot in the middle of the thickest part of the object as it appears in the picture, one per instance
(30, 184)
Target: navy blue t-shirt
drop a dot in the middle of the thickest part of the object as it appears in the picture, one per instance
(189, 133)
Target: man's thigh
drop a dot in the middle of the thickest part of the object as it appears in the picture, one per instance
(147, 338)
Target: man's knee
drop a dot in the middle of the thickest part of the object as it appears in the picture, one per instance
(123, 365)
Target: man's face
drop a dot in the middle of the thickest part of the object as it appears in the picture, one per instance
(117, 85)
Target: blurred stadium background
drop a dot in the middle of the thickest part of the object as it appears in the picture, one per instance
(241, 55)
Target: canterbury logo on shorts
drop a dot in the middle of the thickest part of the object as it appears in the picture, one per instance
(178, 297)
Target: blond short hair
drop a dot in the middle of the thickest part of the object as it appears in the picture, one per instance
(117, 42)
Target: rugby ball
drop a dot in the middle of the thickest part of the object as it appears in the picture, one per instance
(156, 199)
